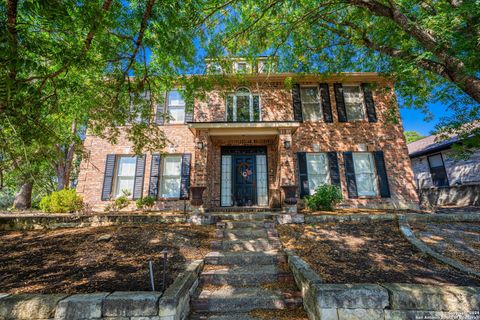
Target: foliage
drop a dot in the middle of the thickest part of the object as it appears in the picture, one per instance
(429, 48)
(119, 203)
(412, 136)
(326, 197)
(66, 200)
(145, 203)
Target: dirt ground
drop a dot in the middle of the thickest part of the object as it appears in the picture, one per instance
(457, 240)
(373, 252)
(81, 260)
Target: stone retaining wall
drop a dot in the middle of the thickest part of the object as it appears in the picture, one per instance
(173, 304)
(464, 195)
(9, 223)
(383, 302)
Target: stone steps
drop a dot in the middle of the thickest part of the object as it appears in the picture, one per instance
(245, 258)
(224, 316)
(252, 275)
(242, 300)
(244, 216)
(245, 224)
(244, 233)
(256, 245)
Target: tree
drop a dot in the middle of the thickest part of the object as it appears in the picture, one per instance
(430, 48)
(412, 136)
(66, 64)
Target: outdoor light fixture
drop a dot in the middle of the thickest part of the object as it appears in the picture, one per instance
(287, 144)
(200, 145)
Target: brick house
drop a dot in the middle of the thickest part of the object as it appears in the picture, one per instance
(245, 140)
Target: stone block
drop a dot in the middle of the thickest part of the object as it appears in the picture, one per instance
(328, 314)
(360, 314)
(290, 218)
(29, 306)
(430, 297)
(131, 304)
(350, 296)
(419, 314)
(81, 306)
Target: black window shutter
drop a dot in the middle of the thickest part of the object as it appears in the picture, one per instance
(370, 105)
(333, 167)
(160, 114)
(139, 176)
(382, 174)
(303, 174)
(297, 103)
(350, 175)
(326, 105)
(108, 177)
(189, 107)
(340, 101)
(154, 176)
(185, 179)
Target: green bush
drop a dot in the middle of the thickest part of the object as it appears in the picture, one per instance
(326, 197)
(145, 203)
(119, 203)
(66, 200)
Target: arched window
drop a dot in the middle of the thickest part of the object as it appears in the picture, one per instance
(243, 106)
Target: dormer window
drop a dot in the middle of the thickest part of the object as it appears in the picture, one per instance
(215, 68)
(243, 106)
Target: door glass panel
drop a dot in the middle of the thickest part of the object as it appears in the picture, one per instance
(262, 180)
(226, 183)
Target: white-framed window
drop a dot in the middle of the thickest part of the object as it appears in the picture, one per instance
(243, 106)
(311, 103)
(171, 176)
(125, 175)
(317, 169)
(138, 103)
(354, 103)
(215, 68)
(241, 67)
(365, 174)
(176, 106)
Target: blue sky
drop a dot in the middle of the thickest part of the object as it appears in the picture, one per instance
(414, 120)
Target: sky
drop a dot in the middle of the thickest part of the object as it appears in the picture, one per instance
(414, 120)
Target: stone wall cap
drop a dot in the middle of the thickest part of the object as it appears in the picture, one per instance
(24, 305)
(351, 296)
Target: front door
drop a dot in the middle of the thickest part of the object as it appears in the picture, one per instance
(245, 190)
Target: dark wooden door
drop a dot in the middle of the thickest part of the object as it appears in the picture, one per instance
(245, 193)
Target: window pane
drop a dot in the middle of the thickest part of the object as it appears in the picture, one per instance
(256, 108)
(365, 175)
(311, 111)
(226, 181)
(177, 114)
(175, 98)
(126, 166)
(309, 94)
(172, 165)
(317, 168)
(243, 108)
(354, 102)
(124, 184)
(170, 187)
(435, 161)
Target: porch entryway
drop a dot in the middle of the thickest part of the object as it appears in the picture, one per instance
(244, 180)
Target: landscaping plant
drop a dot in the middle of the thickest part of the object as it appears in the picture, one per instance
(63, 201)
(119, 203)
(326, 197)
(145, 203)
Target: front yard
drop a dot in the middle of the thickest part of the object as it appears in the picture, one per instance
(80, 260)
(373, 252)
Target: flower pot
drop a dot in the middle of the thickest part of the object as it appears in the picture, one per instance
(197, 195)
(290, 195)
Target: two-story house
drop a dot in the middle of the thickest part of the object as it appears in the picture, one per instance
(245, 140)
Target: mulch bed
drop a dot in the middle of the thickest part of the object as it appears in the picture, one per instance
(373, 252)
(457, 240)
(84, 260)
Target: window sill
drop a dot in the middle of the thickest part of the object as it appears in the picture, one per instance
(168, 199)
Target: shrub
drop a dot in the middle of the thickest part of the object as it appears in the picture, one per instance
(66, 200)
(145, 203)
(119, 203)
(326, 197)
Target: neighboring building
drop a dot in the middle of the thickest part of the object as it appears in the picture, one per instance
(442, 179)
(434, 165)
(244, 141)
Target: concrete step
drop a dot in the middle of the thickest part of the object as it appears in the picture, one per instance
(253, 275)
(245, 233)
(245, 224)
(257, 245)
(242, 300)
(244, 216)
(224, 316)
(242, 258)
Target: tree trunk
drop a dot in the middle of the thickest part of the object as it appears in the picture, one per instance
(23, 199)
